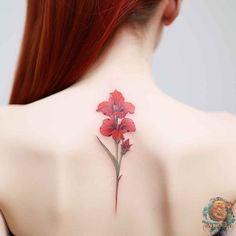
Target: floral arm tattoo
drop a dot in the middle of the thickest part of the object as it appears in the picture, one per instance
(116, 108)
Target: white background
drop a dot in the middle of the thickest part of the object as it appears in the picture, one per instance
(195, 63)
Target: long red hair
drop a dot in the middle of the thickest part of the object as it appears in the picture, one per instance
(62, 39)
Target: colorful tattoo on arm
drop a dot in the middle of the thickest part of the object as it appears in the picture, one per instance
(218, 216)
(116, 108)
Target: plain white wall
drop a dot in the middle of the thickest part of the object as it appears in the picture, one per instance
(12, 14)
(195, 63)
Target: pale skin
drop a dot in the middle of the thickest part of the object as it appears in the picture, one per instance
(56, 180)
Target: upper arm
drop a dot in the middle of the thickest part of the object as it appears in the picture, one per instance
(3, 226)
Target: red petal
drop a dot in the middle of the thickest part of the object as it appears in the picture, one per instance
(127, 125)
(125, 146)
(105, 108)
(117, 135)
(117, 97)
(129, 107)
(107, 127)
(126, 143)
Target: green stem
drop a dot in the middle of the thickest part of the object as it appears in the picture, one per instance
(117, 187)
(119, 163)
(117, 175)
(116, 145)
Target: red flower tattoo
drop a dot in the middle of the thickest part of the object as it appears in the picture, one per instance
(116, 108)
(110, 127)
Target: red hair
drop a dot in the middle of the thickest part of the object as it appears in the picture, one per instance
(62, 39)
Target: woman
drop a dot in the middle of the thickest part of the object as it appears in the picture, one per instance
(90, 145)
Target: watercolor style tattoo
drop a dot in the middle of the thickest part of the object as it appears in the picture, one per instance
(218, 216)
(116, 108)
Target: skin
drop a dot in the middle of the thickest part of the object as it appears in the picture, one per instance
(56, 180)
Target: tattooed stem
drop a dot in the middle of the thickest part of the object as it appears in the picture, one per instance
(117, 187)
(119, 163)
(116, 145)
(116, 198)
(117, 174)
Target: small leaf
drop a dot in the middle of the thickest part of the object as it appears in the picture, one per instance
(119, 177)
(214, 230)
(114, 161)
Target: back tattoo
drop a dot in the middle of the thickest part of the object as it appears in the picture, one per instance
(115, 126)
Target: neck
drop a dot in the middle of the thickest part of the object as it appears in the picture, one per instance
(127, 58)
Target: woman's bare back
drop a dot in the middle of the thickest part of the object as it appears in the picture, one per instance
(55, 178)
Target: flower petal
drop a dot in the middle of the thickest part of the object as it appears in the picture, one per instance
(117, 97)
(117, 134)
(107, 127)
(126, 143)
(105, 108)
(129, 107)
(127, 125)
(125, 146)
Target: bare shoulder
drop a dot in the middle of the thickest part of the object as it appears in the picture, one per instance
(226, 116)
(8, 120)
(12, 128)
(222, 126)
(177, 128)
(226, 123)
(212, 129)
(9, 117)
(6, 116)
(7, 111)
(27, 129)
